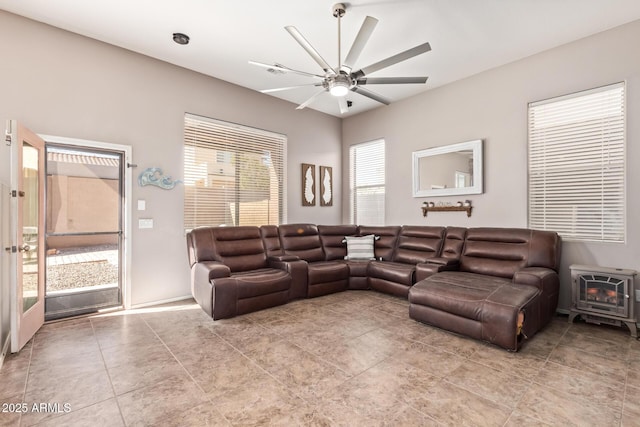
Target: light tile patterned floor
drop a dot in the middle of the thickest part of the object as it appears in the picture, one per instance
(347, 359)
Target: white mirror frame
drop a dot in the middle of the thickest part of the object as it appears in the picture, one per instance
(475, 146)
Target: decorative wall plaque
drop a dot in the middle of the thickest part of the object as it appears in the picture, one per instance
(154, 176)
(308, 184)
(326, 186)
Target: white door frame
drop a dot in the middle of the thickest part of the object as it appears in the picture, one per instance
(128, 197)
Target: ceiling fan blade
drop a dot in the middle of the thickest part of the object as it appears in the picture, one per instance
(278, 89)
(342, 102)
(402, 56)
(372, 95)
(391, 80)
(310, 50)
(359, 43)
(310, 100)
(284, 69)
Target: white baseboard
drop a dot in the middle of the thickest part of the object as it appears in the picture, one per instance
(160, 302)
(5, 349)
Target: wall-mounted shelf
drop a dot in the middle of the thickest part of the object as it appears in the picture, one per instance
(466, 209)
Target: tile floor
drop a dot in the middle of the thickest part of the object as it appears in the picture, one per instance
(347, 359)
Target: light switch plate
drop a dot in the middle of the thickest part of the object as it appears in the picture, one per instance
(142, 205)
(145, 223)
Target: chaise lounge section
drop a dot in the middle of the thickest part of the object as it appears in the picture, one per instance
(499, 285)
(503, 288)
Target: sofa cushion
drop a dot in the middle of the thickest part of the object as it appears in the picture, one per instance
(466, 294)
(239, 248)
(503, 251)
(271, 240)
(327, 277)
(360, 248)
(453, 243)
(327, 271)
(483, 307)
(332, 236)
(301, 240)
(418, 244)
(357, 268)
(392, 271)
(386, 244)
(261, 282)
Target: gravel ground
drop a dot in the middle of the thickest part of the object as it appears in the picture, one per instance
(69, 276)
(81, 274)
(75, 275)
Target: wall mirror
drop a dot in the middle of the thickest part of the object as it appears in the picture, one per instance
(448, 170)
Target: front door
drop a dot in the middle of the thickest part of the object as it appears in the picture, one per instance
(27, 233)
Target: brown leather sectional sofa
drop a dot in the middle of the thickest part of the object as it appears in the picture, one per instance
(495, 284)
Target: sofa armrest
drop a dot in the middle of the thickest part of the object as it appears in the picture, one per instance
(548, 282)
(205, 271)
(297, 268)
(284, 258)
(545, 279)
(202, 276)
(450, 263)
(429, 268)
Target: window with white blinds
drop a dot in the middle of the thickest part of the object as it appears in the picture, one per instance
(367, 178)
(233, 174)
(577, 165)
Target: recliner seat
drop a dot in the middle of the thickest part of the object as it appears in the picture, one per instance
(230, 274)
(414, 245)
(323, 277)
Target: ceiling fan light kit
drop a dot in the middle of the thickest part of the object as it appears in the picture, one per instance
(341, 80)
(340, 85)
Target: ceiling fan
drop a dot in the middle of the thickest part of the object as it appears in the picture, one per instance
(339, 81)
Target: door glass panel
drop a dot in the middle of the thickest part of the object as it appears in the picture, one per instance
(29, 247)
(83, 223)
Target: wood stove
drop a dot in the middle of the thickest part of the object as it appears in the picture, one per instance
(603, 295)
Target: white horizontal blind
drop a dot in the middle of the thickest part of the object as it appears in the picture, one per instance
(233, 174)
(577, 165)
(367, 178)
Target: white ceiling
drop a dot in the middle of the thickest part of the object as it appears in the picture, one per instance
(466, 36)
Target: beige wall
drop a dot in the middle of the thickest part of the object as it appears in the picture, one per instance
(493, 106)
(59, 83)
(80, 205)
